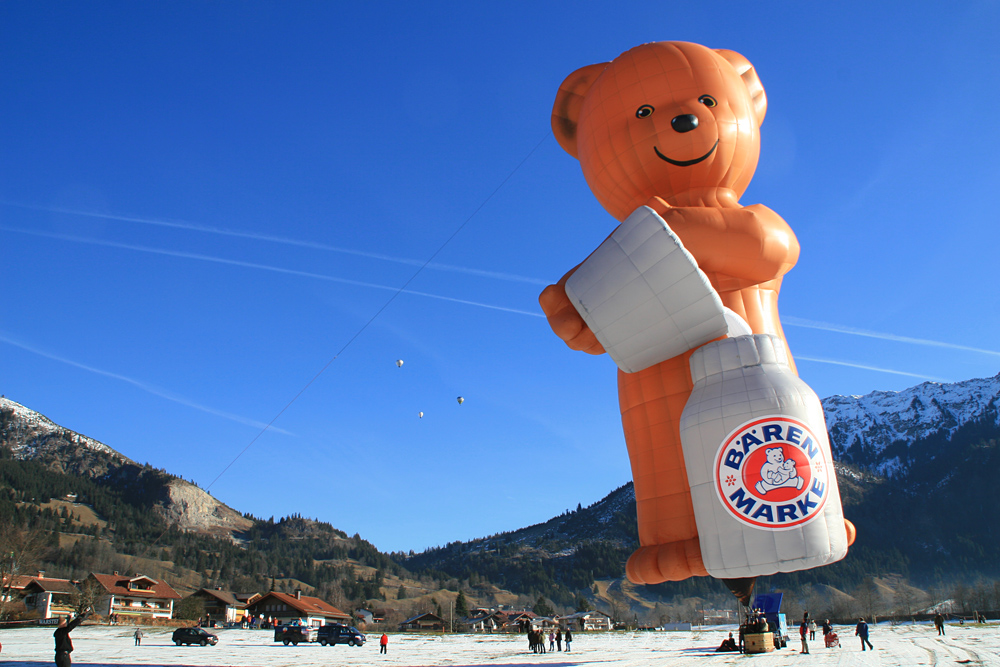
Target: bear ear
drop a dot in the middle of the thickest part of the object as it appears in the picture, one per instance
(569, 99)
(750, 79)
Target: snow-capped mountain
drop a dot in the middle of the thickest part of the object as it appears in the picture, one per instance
(33, 437)
(27, 431)
(879, 429)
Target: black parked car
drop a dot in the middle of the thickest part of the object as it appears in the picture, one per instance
(337, 633)
(194, 636)
(293, 634)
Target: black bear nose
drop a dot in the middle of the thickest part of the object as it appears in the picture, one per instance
(684, 123)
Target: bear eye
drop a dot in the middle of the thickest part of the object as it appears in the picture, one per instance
(708, 101)
(644, 111)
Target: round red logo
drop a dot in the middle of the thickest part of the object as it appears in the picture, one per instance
(772, 472)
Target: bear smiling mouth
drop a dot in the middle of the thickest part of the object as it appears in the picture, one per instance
(686, 163)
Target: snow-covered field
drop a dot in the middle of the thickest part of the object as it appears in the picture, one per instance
(902, 646)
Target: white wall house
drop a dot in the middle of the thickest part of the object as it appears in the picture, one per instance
(136, 597)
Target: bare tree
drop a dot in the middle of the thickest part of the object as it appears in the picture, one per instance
(617, 610)
(904, 599)
(868, 598)
(87, 595)
(20, 550)
(962, 597)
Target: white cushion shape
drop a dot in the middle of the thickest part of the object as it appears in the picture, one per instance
(644, 297)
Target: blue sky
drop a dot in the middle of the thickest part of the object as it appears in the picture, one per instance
(204, 203)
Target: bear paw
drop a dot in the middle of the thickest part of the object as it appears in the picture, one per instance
(674, 561)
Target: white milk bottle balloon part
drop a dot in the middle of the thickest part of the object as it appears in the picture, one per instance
(758, 462)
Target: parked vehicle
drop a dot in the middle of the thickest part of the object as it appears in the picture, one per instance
(293, 634)
(194, 636)
(338, 633)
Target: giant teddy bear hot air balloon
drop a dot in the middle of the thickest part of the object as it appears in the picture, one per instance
(730, 455)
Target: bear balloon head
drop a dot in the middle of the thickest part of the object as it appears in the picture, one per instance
(673, 120)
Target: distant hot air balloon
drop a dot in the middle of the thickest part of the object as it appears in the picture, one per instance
(420, 414)
(461, 400)
(399, 363)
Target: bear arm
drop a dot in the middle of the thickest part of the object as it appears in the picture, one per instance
(565, 321)
(752, 244)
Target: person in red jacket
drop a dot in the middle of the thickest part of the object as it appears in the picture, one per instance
(64, 645)
(383, 644)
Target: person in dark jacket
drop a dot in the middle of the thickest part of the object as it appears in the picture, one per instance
(939, 623)
(862, 631)
(64, 645)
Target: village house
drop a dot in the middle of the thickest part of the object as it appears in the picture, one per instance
(305, 609)
(718, 617)
(587, 620)
(137, 597)
(50, 598)
(220, 606)
(544, 623)
(246, 599)
(12, 586)
(484, 621)
(519, 621)
(425, 621)
(367, 617)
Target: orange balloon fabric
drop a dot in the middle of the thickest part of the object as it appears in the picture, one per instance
(673, 126)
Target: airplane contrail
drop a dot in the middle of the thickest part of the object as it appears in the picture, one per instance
(207, 229)
(799, 357)
(263, 267)
(836, 328)
(787, 320)
(148, 388)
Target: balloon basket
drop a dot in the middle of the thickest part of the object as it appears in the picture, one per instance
(758, 643)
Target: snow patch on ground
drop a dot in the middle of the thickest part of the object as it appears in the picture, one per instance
(895, 646)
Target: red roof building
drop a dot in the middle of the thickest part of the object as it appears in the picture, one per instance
(138, 596)
(221, 606)
(51, 598)
(284, 608)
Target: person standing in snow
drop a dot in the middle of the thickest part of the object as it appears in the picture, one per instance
(383, 644)
(64, 645)
(862, 631)
(569, 637)
(803, 630)
(939, 623)
(138, 636)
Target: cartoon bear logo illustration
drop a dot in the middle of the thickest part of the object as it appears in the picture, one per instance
(777, 472)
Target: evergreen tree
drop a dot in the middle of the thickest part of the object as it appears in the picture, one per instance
(542, 607)
(190, 608)
(461, 605)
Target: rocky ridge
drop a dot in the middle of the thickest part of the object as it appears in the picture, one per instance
(32, 436)
(878, 429)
